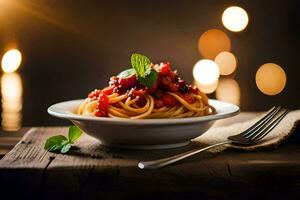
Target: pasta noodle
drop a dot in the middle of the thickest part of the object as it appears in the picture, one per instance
(123, 106)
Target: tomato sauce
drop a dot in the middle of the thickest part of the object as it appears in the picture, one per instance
(167, 81)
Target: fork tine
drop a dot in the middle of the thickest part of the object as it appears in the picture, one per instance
(270, 127)
(265, 122)
(271, 113)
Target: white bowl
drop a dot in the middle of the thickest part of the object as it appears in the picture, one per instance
(142, 133)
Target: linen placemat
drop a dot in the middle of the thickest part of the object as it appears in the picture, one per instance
(279, 134)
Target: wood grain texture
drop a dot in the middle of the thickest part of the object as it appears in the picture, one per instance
(9, 139)
(91, 171)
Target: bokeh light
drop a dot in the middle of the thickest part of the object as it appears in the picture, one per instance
(206, 74)
(235, 19)
(227, 62)
(12, 92)
(228, 90)
(206, 88)
(11, 60)
(206, 71)
(270, 79)
(213, 42)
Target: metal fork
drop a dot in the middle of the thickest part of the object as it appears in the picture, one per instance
(250, 136)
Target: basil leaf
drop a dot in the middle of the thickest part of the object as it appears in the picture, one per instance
(150, 79)
(147, 70)
(57, 147)
(65, 148)
(141, 64)
(54, 143)
(61, 143)
(74, 133)
(126, 73)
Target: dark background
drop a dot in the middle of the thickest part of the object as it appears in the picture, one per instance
(71, 47)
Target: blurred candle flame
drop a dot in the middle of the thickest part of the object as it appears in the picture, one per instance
(12, 92)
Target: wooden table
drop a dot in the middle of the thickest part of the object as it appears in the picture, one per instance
(91, 171)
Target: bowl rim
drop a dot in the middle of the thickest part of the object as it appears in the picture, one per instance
(59, 110)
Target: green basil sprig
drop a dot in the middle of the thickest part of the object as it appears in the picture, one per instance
(60, 143)
(142, 69)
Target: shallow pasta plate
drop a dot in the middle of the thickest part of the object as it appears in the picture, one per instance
(142, 133)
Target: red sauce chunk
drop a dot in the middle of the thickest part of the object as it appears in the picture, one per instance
(102, 105)
(108, 90)
(128, 82)
(169, 100)
(94, 94)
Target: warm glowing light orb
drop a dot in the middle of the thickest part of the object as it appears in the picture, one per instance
(206, 72)
(213, 42)
(11, 86)
(207, 88)
(228, 90)
(11, 60)
(235, 18)
(270, 79)
(11, 92)
(227, 62)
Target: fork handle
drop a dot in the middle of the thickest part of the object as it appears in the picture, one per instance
(155, 164)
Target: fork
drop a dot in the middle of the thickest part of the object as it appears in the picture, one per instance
(250, 136)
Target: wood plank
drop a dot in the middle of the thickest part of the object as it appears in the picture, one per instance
(9, 139)
(29, 152)
(200, 173)
(93, 171)
(25, 166)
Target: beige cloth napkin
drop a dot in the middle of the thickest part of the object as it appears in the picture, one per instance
(280, 133)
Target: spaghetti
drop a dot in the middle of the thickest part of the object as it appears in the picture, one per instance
(168, 97)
